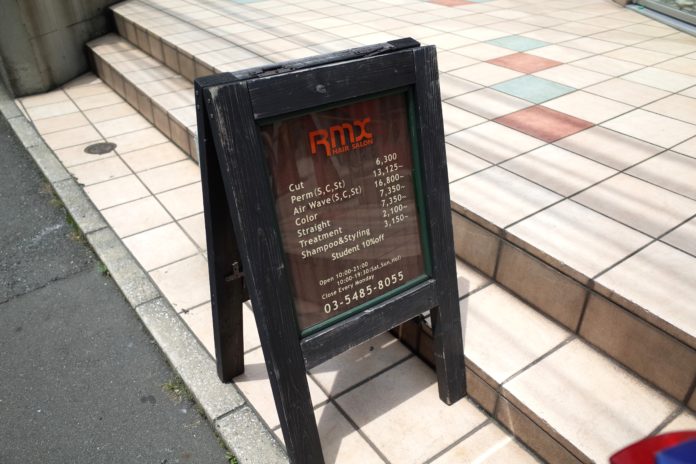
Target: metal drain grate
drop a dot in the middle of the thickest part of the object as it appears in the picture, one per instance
(100, 148)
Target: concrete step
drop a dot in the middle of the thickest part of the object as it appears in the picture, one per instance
(559, 395)
(562, 304)
(563, 399)
(525, 236)
(163, 97)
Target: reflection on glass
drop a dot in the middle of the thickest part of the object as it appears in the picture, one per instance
(684, 10)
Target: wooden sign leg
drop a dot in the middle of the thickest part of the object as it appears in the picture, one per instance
(447, 332)
(227, 285)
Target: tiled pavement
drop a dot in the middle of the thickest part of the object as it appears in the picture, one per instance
(570, 131)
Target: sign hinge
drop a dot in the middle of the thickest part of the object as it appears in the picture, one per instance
(236, 273)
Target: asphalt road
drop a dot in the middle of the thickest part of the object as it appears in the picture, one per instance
(81, 381)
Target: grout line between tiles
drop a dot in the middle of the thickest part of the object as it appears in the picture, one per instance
(470, 433)
(571, 337)
(670, 417)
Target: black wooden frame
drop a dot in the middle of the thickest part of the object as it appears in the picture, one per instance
(245, 254)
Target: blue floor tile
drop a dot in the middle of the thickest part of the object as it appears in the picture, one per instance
(533, 89)
(517, 42)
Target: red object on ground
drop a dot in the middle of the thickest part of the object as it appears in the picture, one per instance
(644, 451)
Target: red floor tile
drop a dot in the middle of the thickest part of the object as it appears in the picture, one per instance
(525, 63)
(544, 123)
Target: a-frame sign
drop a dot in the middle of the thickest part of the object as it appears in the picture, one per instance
(327, 204)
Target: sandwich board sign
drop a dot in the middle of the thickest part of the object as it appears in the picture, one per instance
(327, 204)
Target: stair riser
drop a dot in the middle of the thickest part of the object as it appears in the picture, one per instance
(182, 136)
(649, 351)
(163, 51)
(561, 297)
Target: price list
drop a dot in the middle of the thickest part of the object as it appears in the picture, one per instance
(343, 180)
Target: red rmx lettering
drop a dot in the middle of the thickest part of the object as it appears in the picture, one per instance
(339, 137)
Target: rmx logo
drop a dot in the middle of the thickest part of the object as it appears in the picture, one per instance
(341, 138)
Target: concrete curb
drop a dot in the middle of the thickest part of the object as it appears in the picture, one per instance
(232, 416)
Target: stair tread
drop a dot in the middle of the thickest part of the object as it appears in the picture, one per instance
(513, 348)
(521, 209)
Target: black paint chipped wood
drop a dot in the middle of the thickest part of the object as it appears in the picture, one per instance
(246, 255)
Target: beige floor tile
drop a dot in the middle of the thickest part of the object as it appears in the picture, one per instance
(687, 148)
(670, 170)
(660, 279)
(559, 53)
(489, 103)
(483, 51)
(122, 125)
(566, 401)
(402, 406)
(98, 101)
(681, 45)
(70, 137)
(625, 91)
(153, 156)
(456, 119)
(469, 279)
(80, 91)
(621, 37)
(136, 216)
(481, 34)
(558, 170)
(184, 201)
(160, 246)
(607, 65)
(256, 387)
(195, 228)
(683, 237)
(485, 73)
(579, 237)
(340, 442)
(451, 86)
(652, 127)
(680, 65)
(251, 332)
(502, 335)
(500, 196)
(661, 79)
(115, 192)
(609, 147)
(572, 75)
(171, 176)
(493, 142)
(184, 283)
(137, 140)
(490, 445)
(109, 112)
(592, 45)
(561, 393)
(551, 35)
(99, 171)
(636, 203)
(654, 29)
(353, 366)
(172, 84)
(587, 106)
(59, 123)
(200, 321)
(684, 421)
(447, 61)
(677, 107)
(43, 99)
(51, 110)
(73, 156)
(639, 55)
(690, 92)
(461, 163)
(446, 41)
